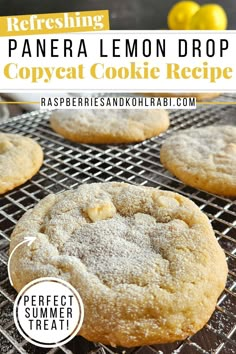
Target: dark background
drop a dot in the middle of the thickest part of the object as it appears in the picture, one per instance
(124, 14)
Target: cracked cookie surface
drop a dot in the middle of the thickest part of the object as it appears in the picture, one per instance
(106, 126)
(145, 262)
(203, 158)
(20, 159)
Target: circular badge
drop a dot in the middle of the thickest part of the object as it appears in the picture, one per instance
(48, 312)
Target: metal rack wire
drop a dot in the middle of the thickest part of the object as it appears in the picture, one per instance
(67, 165)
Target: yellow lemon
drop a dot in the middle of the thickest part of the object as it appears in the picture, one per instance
(180, 15)
(209, 17)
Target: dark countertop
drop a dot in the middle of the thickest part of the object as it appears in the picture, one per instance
(14, 109)
(125, 14)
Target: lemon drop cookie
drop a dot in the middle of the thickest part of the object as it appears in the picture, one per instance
(109, 126)
(203, 158)
(146, 262)
(20, 159)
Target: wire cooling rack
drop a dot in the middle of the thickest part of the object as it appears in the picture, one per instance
(67, 165)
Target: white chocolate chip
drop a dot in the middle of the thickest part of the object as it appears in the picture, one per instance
(230, 148)
(5, 145)
(144, 218)
(167, 202)
(101, 211)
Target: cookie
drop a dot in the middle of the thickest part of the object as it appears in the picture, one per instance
(145, 262)
(20, 159)
(203, 158)
(200, 96)
(109, 126)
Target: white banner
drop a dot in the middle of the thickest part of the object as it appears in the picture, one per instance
(119, 102)
(120, 61)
